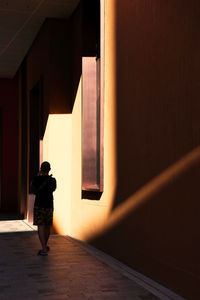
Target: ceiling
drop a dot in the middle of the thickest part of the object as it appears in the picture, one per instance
(20, 21)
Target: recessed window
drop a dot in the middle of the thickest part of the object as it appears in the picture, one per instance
(92, 100)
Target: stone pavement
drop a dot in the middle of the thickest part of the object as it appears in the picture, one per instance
(70, 271)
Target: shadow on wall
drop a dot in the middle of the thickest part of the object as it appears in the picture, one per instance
(76, 52)
(157, 235)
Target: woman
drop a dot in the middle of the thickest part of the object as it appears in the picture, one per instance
(43, 187)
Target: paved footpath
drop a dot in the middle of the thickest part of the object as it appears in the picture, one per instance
(68, 272)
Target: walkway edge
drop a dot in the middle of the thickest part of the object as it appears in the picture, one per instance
(147, 283)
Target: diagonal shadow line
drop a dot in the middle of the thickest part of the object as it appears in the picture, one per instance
(152, 188)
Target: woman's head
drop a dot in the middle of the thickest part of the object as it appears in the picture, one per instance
(45, 166)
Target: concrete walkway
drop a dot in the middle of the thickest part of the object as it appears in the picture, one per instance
(72, 270)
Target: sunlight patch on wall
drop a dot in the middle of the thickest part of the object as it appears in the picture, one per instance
(110, 104)
(86, 215)
(57, 149)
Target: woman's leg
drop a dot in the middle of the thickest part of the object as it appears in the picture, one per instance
(42, 237)
(49, 221)
(47, 233)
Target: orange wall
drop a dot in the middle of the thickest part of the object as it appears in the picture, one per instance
(9, 107)
(157, 111)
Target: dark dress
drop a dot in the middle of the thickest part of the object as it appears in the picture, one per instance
(43, 187)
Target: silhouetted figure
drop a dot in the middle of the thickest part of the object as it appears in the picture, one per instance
(43, 187)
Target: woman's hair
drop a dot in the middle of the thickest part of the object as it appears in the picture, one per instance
(45, 166)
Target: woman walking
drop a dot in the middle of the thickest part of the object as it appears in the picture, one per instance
(43, 187)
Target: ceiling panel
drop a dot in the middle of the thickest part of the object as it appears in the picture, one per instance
(10, 20)
(20, 21)
(71, 3)
(19, 5)
(50, 10)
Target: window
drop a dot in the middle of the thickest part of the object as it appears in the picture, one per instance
(92, 101)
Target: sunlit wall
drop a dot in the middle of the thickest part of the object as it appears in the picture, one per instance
(87, 216)
(57, 149)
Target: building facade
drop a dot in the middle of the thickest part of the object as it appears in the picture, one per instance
(110, 96)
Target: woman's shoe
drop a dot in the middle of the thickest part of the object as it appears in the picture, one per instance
(40, 252)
